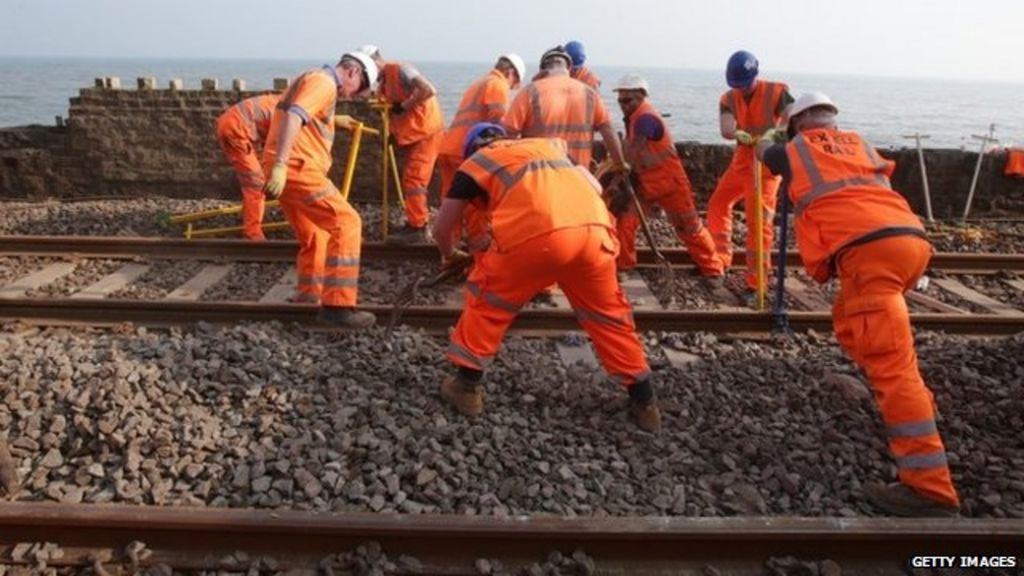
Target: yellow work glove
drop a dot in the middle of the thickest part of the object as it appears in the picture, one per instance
(344, 122)
(744, 137)
(278, 178)
(774, 135)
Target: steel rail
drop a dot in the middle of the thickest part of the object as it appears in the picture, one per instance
(449, 544)
(284, 251)
(107, 312)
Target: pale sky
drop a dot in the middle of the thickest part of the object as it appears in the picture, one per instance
(956, 39)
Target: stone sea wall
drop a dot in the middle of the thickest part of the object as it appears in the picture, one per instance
(160, 141)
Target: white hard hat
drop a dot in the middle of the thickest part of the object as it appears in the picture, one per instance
(367, 62)
(632, 82)
(517, 63)
(369, 49)
(809, 100)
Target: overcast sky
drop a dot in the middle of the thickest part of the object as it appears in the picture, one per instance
(956, 39)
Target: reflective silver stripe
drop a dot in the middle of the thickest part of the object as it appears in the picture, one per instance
(500, 303)
(919, 461)
(533, 166)
(473, 288)
(477, 362)
(493, 167)
(556, 129)
(418, 191)
(913, 429)
(591, 104)
(601, 318)
(338, 261)
(314, 198)
(575, 145)
(535, 112)
(245, 107)
(251, 179)
(820, 187)
(310, 280)
(326, 130)
(342, 282)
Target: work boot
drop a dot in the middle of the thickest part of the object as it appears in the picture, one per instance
(466, 397)
(346, 317)
(898, 499)
(646, 415)
(712, 283)
(408, 235)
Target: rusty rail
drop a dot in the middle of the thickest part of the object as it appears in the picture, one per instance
(109, 312)
(284, 251)
(449, 544)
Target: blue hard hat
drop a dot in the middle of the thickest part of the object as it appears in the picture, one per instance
(481, 130)
(741, 70)
(577, 52)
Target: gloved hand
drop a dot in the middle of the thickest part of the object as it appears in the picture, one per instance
(744, 137)
(456, 259)
(397, 109)
(344, 122)
(278, 178)
(624, 167)
(774, 135)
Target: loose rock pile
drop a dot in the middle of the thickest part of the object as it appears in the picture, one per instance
(270, 416)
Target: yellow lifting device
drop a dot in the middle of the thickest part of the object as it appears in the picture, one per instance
(358, 129)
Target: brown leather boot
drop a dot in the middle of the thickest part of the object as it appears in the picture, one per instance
(899, 499)
(467, 398)
(646, 415)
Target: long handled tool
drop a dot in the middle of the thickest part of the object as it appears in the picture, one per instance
(758, 229)
(666, 273)
(407, 297)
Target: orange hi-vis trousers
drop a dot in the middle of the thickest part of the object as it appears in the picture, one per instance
(682, 214)
(419, 167)
(242, 156)
(582, 261)
(330, 233)
(735, 185)
(873, 326)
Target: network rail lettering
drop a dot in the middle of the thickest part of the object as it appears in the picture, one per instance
(964, 562)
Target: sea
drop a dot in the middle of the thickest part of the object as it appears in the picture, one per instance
(885, 110)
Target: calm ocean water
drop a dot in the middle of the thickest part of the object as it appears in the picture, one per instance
(35, 90)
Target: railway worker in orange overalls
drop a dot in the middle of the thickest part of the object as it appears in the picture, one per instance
(241, 132)
(558, 106)
(651, 152)
(417, 125)
(548, 224)
(850, 224)
(486, 100)
(748, 109)
(296, 160)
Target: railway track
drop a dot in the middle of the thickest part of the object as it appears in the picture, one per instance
(94, 305)
(211, 539)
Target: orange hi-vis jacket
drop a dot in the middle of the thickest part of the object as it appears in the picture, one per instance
(559, 107)
(486, 100)
(533, 189)
(586, 75)
(1015, 162)
(413, 125)
(313, 97)
(841, 197)
(658, 165)
(756, 114)
(250, 118)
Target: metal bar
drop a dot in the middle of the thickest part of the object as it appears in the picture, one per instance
(202, 215)
(628, 545)
(284, 250)
(924, 173)
(438, 320)
(977, 167)
(353, 155)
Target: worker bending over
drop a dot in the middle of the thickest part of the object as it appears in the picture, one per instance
(850, 224)
(548, 224)
(241, 132)
(417, 125)
(296, 160)
(651, 152)
(746, 111)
